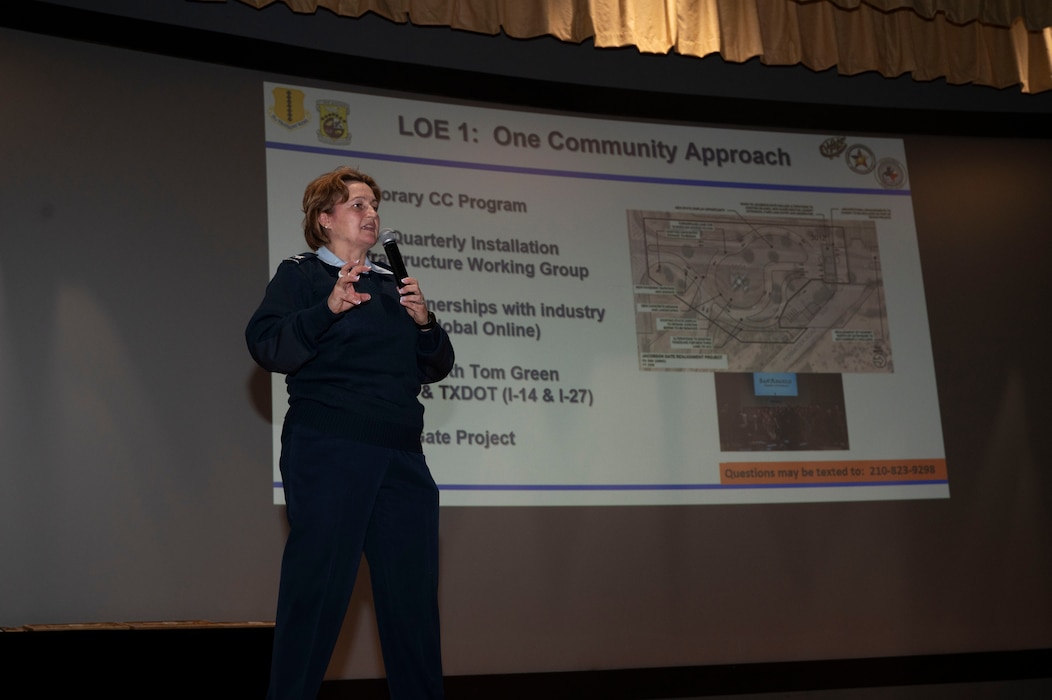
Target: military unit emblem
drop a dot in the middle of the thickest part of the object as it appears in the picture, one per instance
(860, 159)
(891, 174)
(289, 110)
(332, 121)
(833, 146)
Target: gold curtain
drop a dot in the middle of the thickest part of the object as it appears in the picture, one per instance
(998, 43)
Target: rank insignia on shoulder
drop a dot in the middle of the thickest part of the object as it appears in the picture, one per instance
(300, 257)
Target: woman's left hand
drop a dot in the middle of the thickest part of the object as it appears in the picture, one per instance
(413, 300)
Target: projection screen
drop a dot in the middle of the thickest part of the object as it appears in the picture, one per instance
(643, 313)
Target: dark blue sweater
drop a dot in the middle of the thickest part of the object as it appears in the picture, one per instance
(355, 374)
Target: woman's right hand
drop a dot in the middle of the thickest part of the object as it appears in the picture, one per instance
(343, 295)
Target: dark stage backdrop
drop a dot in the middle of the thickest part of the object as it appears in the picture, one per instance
(135, 436)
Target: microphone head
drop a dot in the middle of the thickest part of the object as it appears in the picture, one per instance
(388, 236)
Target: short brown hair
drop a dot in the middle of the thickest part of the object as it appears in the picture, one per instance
(325, 192)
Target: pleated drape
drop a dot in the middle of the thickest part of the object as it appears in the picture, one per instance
(998, 43)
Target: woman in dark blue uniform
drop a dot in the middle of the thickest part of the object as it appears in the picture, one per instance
(355, 348)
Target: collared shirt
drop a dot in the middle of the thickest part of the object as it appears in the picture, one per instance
(330, 258)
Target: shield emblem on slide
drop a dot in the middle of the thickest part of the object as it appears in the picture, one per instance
(332, 121)
(288, 109)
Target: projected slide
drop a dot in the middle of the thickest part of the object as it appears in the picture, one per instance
(643, 313)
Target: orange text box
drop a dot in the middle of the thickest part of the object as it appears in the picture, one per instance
(833, 471)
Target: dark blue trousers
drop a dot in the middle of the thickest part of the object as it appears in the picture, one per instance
(345, 498)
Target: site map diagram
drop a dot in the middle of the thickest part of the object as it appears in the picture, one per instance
(727, 291)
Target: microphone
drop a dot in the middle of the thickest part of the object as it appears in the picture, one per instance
(389, 240)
